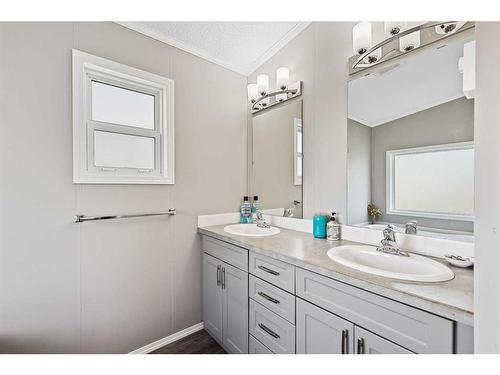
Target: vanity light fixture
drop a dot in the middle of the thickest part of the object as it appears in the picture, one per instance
(260, 97)
(400, 40)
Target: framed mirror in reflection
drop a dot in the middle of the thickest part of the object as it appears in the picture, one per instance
(410, 136)
(276, 161)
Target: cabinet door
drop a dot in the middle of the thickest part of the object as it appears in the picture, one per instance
(368, 343)
(234, 309)
(212, 296)
(320, 332)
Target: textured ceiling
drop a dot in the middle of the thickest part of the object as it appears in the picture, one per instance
(239, 46)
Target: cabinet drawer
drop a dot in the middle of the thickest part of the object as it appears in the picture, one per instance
(231, 254)
(256, 347)
(414, 329)
(271, 330)
(274, 271)
(274, 298)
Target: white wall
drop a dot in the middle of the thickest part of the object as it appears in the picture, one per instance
(487, 188)
(318, 57)
(105, 286)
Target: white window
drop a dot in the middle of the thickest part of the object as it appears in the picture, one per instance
(123, 123)
(434, 181)
(297, 151)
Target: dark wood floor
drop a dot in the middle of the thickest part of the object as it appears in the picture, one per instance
(197, 343)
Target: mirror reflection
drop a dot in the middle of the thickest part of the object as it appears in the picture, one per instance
(410, 138)
(276, 171)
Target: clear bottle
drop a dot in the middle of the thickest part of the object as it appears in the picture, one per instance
(255, 208)
(245, 211)
(333, 228)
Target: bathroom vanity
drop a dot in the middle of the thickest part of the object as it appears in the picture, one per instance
(282, 294)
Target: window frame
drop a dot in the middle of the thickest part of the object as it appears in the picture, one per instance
(390, 181)
(88, 68)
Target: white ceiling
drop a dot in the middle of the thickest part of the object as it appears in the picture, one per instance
(239, 46)
(427, 79)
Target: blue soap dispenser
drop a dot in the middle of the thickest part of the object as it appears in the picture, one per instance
(319, 226)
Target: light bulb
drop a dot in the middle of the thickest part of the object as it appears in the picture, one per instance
(264, 102)
(282, 76)
(253, 93)
(361, 37)
(263, 84)
(409, 42)
(394, 27)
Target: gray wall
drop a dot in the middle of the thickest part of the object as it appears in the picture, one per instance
(447, 123)
(273, 157)
(318, 57)
(486, 190)
(359, 171)
(106, 286)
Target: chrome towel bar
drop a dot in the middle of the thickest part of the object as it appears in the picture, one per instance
(82, 218)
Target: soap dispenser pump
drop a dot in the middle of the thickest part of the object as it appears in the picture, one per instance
(333, 228)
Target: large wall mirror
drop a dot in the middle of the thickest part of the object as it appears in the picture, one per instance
(276, 166)
(411, 145)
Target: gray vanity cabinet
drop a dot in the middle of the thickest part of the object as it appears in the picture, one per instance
(212, 296)
(320, 332)
(368, 343)
(234, 309)
(225, 304)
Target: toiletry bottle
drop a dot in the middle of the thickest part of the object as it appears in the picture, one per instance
(319, 226)
(245, 211)
(333, 228)
(255, 208)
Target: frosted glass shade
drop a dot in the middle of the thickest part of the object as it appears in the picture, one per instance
(281, 97)
(263, 84)
(253, 93)
(394, 27)
(409, 42)
(361, 37)
(282, 76)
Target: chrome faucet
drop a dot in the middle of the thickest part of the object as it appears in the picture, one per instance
(389, 244)
(288, 212)
(260, 222)
(411, 227)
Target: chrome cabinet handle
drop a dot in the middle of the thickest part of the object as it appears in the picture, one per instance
(269, 331)
(268, 270)
(223, 277)
(218, 274)
(269, 298)
(345, 335)
(361, 346)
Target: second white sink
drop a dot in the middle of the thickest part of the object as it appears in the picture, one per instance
(250, 230)
(412, 268)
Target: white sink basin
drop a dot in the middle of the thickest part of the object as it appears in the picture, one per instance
(412, 268)
(250, 230)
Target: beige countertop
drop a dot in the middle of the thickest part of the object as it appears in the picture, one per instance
(451, 299)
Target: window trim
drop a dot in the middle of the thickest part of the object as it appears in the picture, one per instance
(390, 167)
(87, 67)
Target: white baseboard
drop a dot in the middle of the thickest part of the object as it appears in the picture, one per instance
(168, 340)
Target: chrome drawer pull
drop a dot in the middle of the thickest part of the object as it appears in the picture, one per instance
(361, 346)
(223, 277)
(268, 331)
(218, 275)
(268, 270)
(269, 298)
(345, 334)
